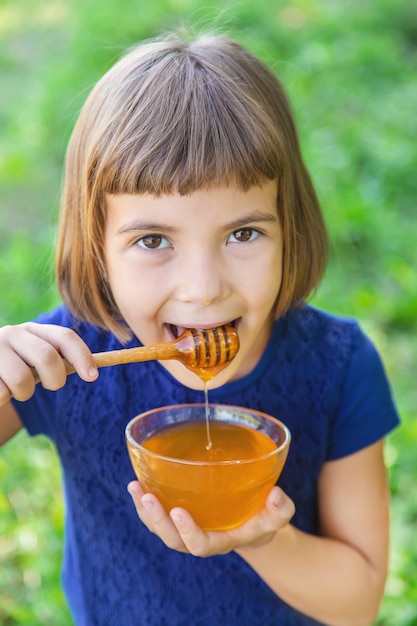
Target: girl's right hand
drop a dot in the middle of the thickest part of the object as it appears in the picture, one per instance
(43, 348)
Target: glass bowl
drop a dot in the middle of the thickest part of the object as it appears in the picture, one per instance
(221, 485)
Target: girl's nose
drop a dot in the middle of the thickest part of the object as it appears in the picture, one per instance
(202, 281)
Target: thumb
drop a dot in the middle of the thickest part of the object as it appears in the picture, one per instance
(280, 507)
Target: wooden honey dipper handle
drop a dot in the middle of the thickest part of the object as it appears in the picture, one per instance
(205, 348)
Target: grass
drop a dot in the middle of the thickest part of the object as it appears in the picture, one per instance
(350, 72)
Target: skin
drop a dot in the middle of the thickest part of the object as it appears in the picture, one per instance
(206, 252)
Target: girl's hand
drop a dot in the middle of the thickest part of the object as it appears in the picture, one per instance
(41, 347)
(179, 532)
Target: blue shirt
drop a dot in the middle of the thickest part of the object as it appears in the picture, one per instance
(319, 374)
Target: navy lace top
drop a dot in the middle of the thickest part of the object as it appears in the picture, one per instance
(319, 374)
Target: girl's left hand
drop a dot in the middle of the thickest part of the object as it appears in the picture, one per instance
(179, 531)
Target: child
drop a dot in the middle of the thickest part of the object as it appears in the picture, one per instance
(187, 204)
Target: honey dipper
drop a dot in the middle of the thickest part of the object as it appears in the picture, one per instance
(203, 351)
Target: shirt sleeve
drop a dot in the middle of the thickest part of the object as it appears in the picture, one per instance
(366, 410)
(38, 413)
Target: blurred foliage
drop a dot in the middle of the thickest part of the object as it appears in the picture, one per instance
(349, 69)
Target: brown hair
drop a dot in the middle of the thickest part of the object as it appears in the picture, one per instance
(178, 116)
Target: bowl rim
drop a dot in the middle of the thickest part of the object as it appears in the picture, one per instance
(277, 451)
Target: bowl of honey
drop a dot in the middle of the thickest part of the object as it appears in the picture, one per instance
(218, 462)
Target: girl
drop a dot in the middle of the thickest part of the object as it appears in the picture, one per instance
(187, 204)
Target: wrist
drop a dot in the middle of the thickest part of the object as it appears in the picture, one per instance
(283, 538)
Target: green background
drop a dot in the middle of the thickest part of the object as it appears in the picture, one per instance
(350, 70)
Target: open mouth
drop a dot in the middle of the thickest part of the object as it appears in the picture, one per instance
(176, 331)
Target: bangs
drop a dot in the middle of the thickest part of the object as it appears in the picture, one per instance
(186, 125)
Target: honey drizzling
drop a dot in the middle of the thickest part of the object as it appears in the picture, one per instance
(209, 445)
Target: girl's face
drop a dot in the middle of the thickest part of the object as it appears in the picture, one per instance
(213, 257)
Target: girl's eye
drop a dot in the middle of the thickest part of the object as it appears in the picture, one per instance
(153, 242)
(243, 235)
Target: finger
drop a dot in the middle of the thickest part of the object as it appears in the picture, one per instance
(280, 507)
(155, 518)
(136, 492)
(276, 513)
(41, 347)
(5, 393)
(16, 377)
(197, 541)
(262, 527)
(67, 344)
(162, 523)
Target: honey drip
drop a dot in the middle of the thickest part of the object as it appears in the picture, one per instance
(207, 410)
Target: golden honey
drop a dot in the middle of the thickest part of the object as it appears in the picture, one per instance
(221, 486)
